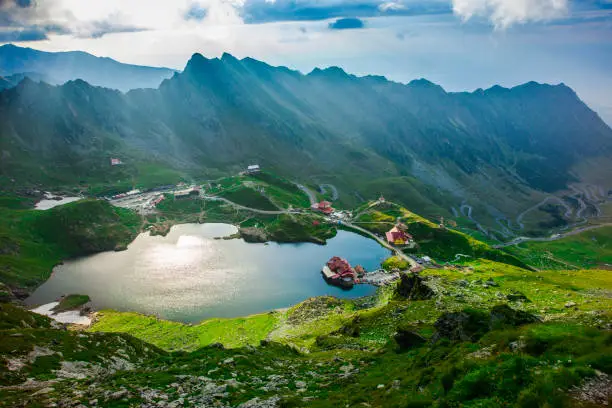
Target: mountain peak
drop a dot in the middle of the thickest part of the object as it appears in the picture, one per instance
(227, 57)
(423, 83)
(496, 89)
(197, 62)
(330, 72)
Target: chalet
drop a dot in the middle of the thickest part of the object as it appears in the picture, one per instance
(324, 207)
(398, 236)
(115, 162)
(253, 169)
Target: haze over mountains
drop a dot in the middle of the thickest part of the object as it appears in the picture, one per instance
(59, 67)
(503, 149)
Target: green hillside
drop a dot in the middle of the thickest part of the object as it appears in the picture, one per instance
(442, 244)
(34, 241)
(431, 151)
(464, 344)
(482, 331)
(589, 249)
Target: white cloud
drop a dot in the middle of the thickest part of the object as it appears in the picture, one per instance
(504, 13)
(391, 5)
(84, 18)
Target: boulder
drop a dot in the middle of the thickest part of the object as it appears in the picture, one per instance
(253, 235)
(350, 329)
(406, 338)
(504, 315)
(516, 296)
(470, 324)
(490, 283)
(413, 287)
(467, 325)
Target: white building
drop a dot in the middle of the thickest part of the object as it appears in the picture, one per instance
(253, 168)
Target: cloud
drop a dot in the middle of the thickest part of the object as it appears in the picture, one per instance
(504, 13)
(391, 6)
(31, 19)
(347, 24)
(99, 29)
(265, 11)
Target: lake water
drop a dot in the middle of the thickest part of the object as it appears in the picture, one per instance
(189, 276)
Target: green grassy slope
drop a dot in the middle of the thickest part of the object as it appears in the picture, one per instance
(487, 333)
(34, 241)
(442, 244)
(589, 249)
(171, 336)
(353, 357)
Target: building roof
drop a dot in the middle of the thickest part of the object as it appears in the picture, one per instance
(253, 167)
(396, 234)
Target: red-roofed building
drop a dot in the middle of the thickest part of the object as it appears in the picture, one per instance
(339, 272)
(324, 207)
(158, 200)
(397, 236)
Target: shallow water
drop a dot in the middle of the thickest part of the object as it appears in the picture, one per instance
(189, 276)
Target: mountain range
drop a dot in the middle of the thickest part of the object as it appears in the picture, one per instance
(499, 150)
(59, 67)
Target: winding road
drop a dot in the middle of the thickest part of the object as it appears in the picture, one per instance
(311, 195)
(554, 237)
(385, 244)
(323, 188)
(568, 209)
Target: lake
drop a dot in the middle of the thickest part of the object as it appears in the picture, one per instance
(189, 276)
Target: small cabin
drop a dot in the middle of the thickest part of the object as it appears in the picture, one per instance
(253, 169)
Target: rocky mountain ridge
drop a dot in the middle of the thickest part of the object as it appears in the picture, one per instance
(422, 146)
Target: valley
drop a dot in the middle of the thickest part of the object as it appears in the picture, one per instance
(334, 138)
(487, 307)
(238, 234)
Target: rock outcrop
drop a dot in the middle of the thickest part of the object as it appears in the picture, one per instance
(413, 287)
(253, 235)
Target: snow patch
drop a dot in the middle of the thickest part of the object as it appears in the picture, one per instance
(68, 317)
(51, 201)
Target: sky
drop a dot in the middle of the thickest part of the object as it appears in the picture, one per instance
(459, 44)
